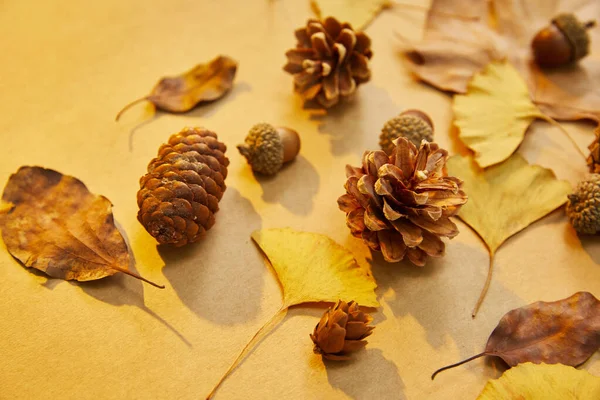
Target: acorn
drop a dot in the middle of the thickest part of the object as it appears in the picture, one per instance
(267, 148)
(564, 41)
(413, 125)
(583, 206)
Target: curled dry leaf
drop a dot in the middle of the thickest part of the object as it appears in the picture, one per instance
(505, 199)
(560, 332)
(456, 48)
(204, 82)
(310, 268)
(494, 113)
(57, 226)
(542, 382)
(358, 13)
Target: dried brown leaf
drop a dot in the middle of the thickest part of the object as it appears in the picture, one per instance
(57, 226)
(460, 41)
(204, 82)
(560, 332)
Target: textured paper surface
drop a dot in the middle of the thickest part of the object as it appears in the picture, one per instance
(68, 67)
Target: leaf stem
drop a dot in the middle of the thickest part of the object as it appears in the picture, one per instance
(128, 106)
(130, 273)
(486, 286)
(457, 364)
(258, 336)
(552, 121)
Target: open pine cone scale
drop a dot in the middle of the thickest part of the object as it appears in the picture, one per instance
(401, 204)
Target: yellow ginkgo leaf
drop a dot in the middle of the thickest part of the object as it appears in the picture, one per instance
(314, 268)
(495, 113)
(530, 381)
(358, 13)
(311, 268)
(505, 199)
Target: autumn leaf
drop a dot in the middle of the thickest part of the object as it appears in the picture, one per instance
(314, 268)
(204, 82)
(310, 268)
(358, 13)
(494, 113)
(542, 382)
(460, 41)
(505, 199)
(560, 332)
(54, 224)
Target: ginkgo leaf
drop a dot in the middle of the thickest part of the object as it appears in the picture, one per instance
(530, 381)
(494, 113)
(505, 199)
(358, 13)
(314, 268)
(54, 224)
(311, 268)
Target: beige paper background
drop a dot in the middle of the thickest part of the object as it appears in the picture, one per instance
(68, 66)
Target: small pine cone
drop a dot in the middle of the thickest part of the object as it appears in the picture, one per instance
(329, 62)
(401, 204)
(593, 160)
(181, 191)
(341, 330)
(583, 206)
(414, 125)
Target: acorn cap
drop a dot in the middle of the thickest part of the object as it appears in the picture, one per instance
(413, 125)
(576, 33)
(583, 206)
(266, 148)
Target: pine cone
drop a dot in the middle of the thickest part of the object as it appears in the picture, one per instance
(593, 160)
(330, 60)
(181, 191)
(401, 204)
(341, 330)
(583, 206)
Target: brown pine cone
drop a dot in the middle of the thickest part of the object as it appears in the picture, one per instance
(341, 330)
(593, 160)
(181, 191)
(330, 60)
(401, 204)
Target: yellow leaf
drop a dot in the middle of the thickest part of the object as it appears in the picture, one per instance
(505, 199)
(542, 382)
(311, 268)
(495, 113)
(314, 268)
(358, 13)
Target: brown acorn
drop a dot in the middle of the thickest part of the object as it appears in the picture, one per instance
(562, 42)
(267, 148)
(413, 125)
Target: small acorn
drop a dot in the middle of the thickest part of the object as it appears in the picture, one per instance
(413, 125)
(564, 41)
(267, 148)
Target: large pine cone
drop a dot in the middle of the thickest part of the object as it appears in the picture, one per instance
(330, 60)
(181, 191)
(401, 204)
